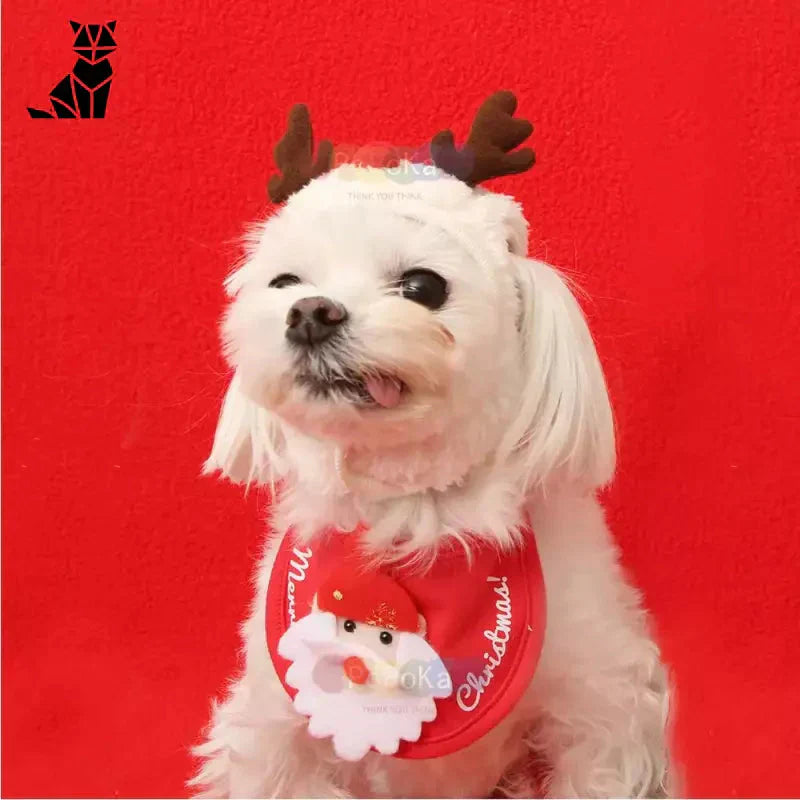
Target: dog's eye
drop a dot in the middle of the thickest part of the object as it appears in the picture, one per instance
(425, 287)
(284, 279)
(386, 637)
(349, 625)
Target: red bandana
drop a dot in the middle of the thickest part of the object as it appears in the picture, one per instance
(484, 617)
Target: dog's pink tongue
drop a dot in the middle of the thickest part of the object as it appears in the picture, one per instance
(384, 391)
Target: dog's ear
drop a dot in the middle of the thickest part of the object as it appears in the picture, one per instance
(247, 443)
(565, 427)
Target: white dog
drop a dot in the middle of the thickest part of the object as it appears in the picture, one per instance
(402, 369)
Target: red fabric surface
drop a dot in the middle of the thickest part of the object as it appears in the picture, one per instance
(667, 140)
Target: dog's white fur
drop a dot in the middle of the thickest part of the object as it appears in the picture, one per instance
(506, 412)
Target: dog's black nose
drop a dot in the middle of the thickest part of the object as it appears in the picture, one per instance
(313, 319)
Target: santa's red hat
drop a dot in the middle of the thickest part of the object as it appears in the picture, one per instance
(372, 598)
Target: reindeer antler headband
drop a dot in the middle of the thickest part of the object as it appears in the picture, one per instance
(488, 152)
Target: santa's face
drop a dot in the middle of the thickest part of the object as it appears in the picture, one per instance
(349, 677)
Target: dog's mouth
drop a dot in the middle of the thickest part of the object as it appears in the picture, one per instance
(373, 389)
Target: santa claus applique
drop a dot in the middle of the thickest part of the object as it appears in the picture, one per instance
(363, 671)
(410, 663)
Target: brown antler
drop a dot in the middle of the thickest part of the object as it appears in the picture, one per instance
(294, 155)
(487, 152)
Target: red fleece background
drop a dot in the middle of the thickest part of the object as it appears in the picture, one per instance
(667, 183)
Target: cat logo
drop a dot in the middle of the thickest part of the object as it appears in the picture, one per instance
(83, 94)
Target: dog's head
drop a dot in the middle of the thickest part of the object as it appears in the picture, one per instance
(396, 323)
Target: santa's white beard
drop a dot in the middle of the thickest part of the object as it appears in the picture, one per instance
(378, 714)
